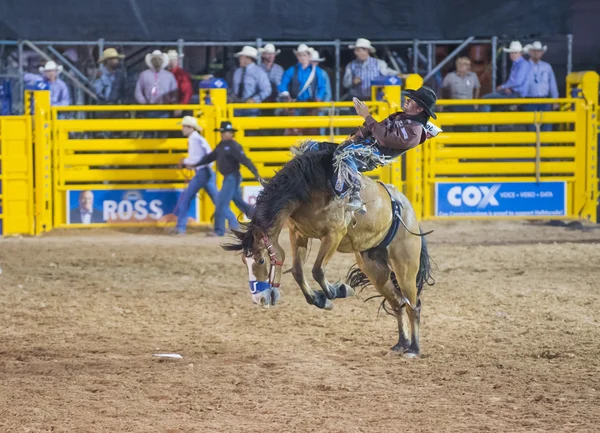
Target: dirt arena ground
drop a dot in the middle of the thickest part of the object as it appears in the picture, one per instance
(510, 339)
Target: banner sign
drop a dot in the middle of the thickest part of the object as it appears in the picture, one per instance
(125, 206)
(500, 199)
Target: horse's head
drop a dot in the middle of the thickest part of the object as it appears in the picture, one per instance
(260, 266)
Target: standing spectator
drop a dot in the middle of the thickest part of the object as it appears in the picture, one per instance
(183, 78)
(517, 85)
(156, 85)
(250, 82)
(542, 81)
(229, 155)
(302, 82)
(110, 84)
(205, 177)
(360, 73)
(272, 69)
(315, 60)
(461, 84)
(59, 92)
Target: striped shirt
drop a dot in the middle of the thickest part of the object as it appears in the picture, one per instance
(367, 71)
(275, 74)
(256, 83)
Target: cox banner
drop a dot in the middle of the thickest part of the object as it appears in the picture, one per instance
(125, 206)
(512, 199)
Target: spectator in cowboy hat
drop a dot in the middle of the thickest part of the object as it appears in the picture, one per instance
(59, 92)
(229, 155)
(110, 84)
(542, 81)
(205, 177)
(517, 85)
(156, 85)
(250, 81)
(360, 73)
(302, 82)
(272, 69)
(182, 77)
(315, 60)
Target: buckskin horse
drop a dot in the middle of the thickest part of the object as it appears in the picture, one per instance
(390, 250)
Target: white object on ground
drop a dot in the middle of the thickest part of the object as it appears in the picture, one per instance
(168, 355)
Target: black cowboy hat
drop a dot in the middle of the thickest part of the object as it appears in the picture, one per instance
(425, 97)
(226, 126)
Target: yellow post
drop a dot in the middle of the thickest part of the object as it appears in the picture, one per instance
(589, 85)
(17, 175)
(42, 143)
(213, 102)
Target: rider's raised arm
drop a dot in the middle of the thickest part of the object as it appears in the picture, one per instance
(398, 136)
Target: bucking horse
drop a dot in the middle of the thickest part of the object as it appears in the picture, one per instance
(390, 249)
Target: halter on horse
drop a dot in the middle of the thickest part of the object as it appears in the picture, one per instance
(300, 196)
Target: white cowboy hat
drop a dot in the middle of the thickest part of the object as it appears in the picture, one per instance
(110, 53)
(174, 54)
(515, 47)
(537, 45)
(302, 48)
(314, 56)
(157, 53)
(248, 51)
(51, 66)
(363, 43)
(190, 121)
(269, 49)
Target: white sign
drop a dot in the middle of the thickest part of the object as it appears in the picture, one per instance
(250, 193)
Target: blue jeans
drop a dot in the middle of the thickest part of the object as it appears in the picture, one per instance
(539, 107)
(204, 178)
(230, 190)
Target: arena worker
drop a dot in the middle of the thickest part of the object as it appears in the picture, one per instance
(204, 176)
(229, 155)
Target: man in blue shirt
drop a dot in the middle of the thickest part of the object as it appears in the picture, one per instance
(302, 82)
(517, 85)
(542, 83)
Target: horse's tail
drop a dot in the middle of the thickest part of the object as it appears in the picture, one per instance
(424, 273)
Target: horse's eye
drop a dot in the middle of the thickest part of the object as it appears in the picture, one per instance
(261, 262)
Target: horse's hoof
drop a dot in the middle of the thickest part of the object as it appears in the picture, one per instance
(321, 301)
(328, 305)
(410, 355)
(345, 291)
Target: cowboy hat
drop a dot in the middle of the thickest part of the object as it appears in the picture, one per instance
(226, 126)
(537, 46)
(314, 56)
(174, 54)
(157, 53)
(248, 51)
(302, 48)
(190, 121)
(269, 49)
(363, 43)
(425, 97)
(51, 66)
(515, 47)
(110, 53)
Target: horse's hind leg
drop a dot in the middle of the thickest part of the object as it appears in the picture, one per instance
(379, 276)
(404, 258)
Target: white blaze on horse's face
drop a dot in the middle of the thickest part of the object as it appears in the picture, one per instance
(258, 266)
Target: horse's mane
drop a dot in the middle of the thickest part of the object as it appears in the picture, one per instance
(303, 174)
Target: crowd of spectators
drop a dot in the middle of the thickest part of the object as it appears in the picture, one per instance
(259, 77)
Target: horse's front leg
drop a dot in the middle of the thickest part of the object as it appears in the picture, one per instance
(329, 245)
(300, 254)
